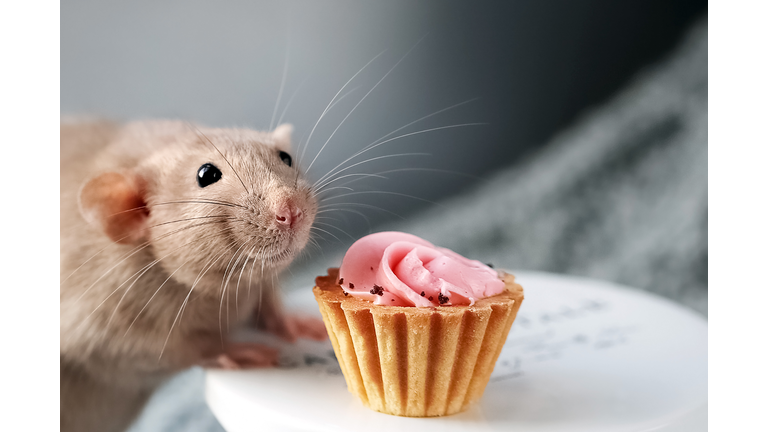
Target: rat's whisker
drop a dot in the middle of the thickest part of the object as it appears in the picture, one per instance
(199, 278)
(420, 169)
(290, 100)
(330, 107)
(88, 260)
(153, 296)
(218, 216)
(316, 193)
(161, 285)
(331, 102)
(282, 83)
(222, 203)
(341, 98)
(203, 201)
(134, 276)
(245, 263)
(374, 143)
(362, 175)
(185, 201)
(313, 238)
(326, 217)
(224, 286)
(337, 228)
(136, 250)
(320, 189)
(125, 293)
(368, 222)
(362, 205)
(125, 237)
(313, 242)
(422, 118)
(433, 170)
(237, 287)
(250, 275)
(316, 186)
(211, 262)
(373, 146)
(361, 101)
(261, 289)
(384, 192)
(207, 266)
(329, 233)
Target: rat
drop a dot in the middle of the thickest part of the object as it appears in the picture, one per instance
(172, 236)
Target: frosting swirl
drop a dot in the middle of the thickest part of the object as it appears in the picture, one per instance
(399, 269)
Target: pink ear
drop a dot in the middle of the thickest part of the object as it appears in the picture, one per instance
(114, 203)
(282, 136)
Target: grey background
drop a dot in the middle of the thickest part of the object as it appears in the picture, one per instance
(594, 161)
(532, 66)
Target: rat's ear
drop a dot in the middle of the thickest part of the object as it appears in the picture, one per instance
(282, 136)
(114, 203)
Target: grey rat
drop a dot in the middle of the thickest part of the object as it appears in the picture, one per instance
(171, 236)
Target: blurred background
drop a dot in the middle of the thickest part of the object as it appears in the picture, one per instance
(527, 68)
(559, 136)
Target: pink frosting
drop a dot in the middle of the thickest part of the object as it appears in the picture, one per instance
(399, 269)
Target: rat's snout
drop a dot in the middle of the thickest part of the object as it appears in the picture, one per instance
(288, 214)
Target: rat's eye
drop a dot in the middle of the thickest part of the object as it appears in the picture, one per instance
(208, 174)
(285, 157)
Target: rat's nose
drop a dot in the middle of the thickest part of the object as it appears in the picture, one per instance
(288, 214)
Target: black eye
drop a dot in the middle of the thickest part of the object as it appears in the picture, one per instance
(285, 157)
(208, 174)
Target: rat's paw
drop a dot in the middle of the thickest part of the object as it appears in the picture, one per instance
(306, 327)
(244, 356)
(290, 328)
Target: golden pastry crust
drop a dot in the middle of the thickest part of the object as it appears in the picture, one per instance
(416, 361)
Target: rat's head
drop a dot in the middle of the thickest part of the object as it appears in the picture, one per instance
(207, 200)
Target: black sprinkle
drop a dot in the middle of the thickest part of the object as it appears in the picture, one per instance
(489, 265)
(371, 268)
(346, 293)
(442, 299)
(341, 281)
(351, 285)
(422, 293)
(430, 298)
(377, 290)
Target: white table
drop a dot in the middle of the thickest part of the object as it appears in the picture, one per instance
(583, 355)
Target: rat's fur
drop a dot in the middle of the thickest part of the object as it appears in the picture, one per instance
(129, 197)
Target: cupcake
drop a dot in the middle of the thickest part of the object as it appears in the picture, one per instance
(416, 328)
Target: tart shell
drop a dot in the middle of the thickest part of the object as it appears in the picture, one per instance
(417, 361)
